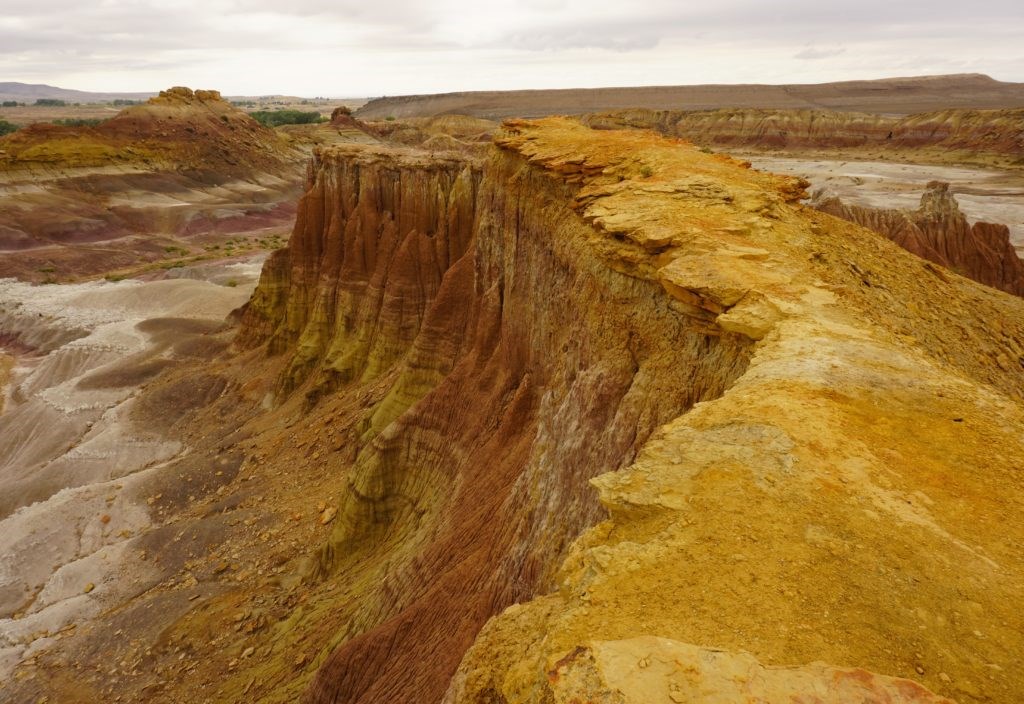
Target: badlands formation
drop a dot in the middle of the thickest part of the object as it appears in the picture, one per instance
(560, 410)
(564, 411)
(157, 185)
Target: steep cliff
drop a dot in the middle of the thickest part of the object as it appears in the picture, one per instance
(578, 305)
(174, 178)
(597, 417)
(516, 365)
(940, 233)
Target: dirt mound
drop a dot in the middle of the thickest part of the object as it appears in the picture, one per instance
(179, 129)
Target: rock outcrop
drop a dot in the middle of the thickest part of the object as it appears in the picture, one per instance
(583, 306)
(180, 174)
(955, 134)
(940, 233)
(180, 130)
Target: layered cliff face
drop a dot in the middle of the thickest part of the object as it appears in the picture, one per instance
(956, 135)
(583, 306)
(515, 364)
(172, 179)
(939, 232)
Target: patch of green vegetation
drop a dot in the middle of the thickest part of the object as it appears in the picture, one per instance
(78, 121)
(51, 103)
(7, 127)
(390, 118)
(232, 283)
(121, 102)
(11, 104)
(47, 269)
(646, 171)
(115, 277)
(276, 118)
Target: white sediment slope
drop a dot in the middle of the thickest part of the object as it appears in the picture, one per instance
(73, 466)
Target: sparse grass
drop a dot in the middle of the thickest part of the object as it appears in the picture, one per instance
(646, 171)
(276, 118)
(231, 282)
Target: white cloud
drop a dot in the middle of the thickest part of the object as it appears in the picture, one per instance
(354, 47)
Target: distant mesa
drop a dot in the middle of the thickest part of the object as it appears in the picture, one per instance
(885, 96)
(178, 129)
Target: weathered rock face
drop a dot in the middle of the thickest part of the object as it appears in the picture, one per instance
(180, 174)
(583, 306)
(940, 233)
(991, 132)
(517, 366)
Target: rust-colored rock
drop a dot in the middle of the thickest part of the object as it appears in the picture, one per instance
(957, 133)
(940, 233)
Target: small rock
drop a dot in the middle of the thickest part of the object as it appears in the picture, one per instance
(104, 519)
(328, 515)
(945, 678)
(89, 587)
(919, 670)
(248, 651)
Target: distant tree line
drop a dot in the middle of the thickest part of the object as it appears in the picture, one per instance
(121, 102)
(276, 118)
(11, 103)
(51, 103)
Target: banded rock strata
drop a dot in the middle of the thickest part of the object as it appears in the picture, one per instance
(792, 464)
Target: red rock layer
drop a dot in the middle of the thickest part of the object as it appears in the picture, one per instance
(517, 365)
(988, 131)
(939, 232)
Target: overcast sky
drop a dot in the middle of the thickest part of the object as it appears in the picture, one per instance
(381, 47)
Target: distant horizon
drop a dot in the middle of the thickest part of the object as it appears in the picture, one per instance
(327, 96)
(353, 48)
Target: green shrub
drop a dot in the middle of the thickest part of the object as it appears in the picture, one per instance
(51, 103)
(276, 118)
(7, 127)
(10, 103)
(78, 121)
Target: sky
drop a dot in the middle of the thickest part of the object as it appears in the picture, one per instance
(348, 48)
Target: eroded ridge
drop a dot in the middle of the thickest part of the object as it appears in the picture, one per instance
(850, 497)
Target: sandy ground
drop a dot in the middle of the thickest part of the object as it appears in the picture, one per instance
(75, 470)
(990, 195)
